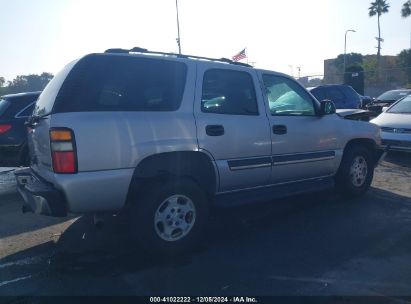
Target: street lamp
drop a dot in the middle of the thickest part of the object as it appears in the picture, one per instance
(345, 46)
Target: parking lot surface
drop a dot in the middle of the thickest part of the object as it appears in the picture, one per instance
(317, 244)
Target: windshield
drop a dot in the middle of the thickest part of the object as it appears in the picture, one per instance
(393, 95)
(403, 106)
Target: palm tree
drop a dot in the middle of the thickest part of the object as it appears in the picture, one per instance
(406, 9)
(378, 7)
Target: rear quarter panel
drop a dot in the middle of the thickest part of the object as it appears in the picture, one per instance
(111, 144)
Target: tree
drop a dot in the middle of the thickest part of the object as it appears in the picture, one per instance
(351, 59)
(370, 66)
(378, 7)
(29, 83)
(404, 61)
(406, 9)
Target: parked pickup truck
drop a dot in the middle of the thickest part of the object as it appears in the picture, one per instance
(167, 136)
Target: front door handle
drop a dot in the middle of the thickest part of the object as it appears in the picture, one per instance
(279, 129)
(215, 130)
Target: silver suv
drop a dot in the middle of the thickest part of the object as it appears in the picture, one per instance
(167, 136)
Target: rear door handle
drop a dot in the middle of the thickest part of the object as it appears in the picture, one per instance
(215, 130)
(279, 129)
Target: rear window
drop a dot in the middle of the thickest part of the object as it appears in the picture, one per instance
(122, 83)
(342, 96)
(11, 106)
(3, 106)
(319, 94)
(27, 111)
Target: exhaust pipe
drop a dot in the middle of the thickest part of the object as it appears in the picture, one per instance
(98, 221)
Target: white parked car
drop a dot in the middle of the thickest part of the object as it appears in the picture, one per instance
(395, 125)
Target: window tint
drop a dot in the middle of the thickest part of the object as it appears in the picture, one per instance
(122, 83)
(4, 104)
(28, 111)
(228, 92)
(286, 97)
(403, 106)
(319, 93)
(16, 104)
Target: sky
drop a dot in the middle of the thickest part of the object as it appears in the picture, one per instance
(44, 35)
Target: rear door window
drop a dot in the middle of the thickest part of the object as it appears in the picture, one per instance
(122, 83)
(228, 92)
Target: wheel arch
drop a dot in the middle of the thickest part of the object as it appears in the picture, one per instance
(368, 143)
(195, 165)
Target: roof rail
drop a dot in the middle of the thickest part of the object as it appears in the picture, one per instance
(145, 51)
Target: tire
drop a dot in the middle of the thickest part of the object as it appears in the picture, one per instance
(168, 218)
(356, 172)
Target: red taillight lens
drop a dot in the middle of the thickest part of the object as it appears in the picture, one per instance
(64, 162)
(4, 128)
(63, 150)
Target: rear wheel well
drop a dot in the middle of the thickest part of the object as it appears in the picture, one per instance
(196, 166)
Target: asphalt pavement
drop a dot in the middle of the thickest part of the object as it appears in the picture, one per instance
(317, 244)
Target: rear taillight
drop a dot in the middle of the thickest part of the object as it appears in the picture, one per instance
(63, 150)
(4, 128)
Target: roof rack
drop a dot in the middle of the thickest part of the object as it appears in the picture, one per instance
(145, 51)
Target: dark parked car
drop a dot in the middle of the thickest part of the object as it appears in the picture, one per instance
(387, 99)
(343, 96)
(14, 111)
(365, 101)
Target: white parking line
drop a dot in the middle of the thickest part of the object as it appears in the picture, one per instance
(15, 280)
(26, 261)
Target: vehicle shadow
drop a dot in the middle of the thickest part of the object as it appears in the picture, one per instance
(302, 236)
(402, 159)
(14, 222)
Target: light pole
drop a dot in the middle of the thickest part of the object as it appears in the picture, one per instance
(292, 70)
(178, 30)
(345, 46)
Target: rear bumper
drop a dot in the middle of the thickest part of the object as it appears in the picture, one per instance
(39, 196)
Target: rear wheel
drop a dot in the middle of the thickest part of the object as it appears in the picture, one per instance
(169, 217)
(356, 172)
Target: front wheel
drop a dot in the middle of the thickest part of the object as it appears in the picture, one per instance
(169, 217)
(356, 172)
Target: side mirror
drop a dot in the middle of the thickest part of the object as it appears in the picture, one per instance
(327, 107)
(384, 109)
